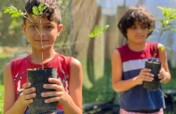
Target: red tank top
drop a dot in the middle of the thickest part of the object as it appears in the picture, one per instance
(19, 70)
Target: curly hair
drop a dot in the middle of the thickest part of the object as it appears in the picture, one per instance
(136, 14)
(52, 11)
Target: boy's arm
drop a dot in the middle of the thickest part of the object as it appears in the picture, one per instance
(120, 85)
(117, 83)
(164, 73)
(74, 102)
(10, 105)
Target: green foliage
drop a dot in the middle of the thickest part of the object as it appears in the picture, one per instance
(0, 14)
(38, 10)
(169, 16)
(98, 30)
(167, 22)
(13, 11)
(1, 98)
(15, 14)
(161, 47)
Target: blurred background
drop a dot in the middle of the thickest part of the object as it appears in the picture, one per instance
(79, 17)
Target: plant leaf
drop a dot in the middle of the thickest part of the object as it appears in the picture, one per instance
(35, 10)
(161, 47)
(38, 10)
(41, 7)
(13, 11)
(98, 30)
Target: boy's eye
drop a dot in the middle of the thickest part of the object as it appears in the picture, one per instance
(32, 26)
(133, 27)
(144, 27)
(48, 26)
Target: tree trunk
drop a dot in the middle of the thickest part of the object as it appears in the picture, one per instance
(85, 14)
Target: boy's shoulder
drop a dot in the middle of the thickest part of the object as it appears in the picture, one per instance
(61, 56)
(152, 45)
(68, 59)
(19, 60)
(125, 46)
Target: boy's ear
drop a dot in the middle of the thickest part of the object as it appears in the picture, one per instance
(60, 26)
(23, 26)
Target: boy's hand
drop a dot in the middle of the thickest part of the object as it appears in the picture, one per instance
(55, 96)
(144, 75)
(162, 75)
(27, 94)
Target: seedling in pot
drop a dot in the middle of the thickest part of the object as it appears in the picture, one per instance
(155, 66)
(37, 76)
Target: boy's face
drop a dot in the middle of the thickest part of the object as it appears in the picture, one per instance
(41, 32)
(137, 33)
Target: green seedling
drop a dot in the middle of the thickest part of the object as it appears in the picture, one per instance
(15, 13)
(37, 11)
(167, 23)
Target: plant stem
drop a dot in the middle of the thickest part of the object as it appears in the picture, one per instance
(39, 32)
(155, 51)
(41, 38)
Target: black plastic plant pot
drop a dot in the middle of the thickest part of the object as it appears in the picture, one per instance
(155, 68)
(38, 77)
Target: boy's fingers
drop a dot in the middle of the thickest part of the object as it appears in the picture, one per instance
(53, 86)
(55, 81)
(51, 94)
(29, 90)
(53, 99)
(29, 96)
(26, 85)
(146, 69)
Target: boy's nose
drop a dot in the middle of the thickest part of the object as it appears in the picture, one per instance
(139, 30)
(42, 31)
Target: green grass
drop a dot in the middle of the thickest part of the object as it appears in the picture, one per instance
(1, 98)
(101, 89)
(4, 58)
(171, 84)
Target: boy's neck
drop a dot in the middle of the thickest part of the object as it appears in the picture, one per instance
(137, 47)
(42, 56)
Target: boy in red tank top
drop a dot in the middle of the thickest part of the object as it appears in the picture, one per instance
(41, 33)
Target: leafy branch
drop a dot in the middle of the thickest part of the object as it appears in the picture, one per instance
(36, 10)
(13, 11)
(167, 22)
(98, 30)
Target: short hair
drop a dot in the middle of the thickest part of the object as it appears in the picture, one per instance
(136, 14)
(52, 11)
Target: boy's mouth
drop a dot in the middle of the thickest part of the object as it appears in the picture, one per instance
(41, 40)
